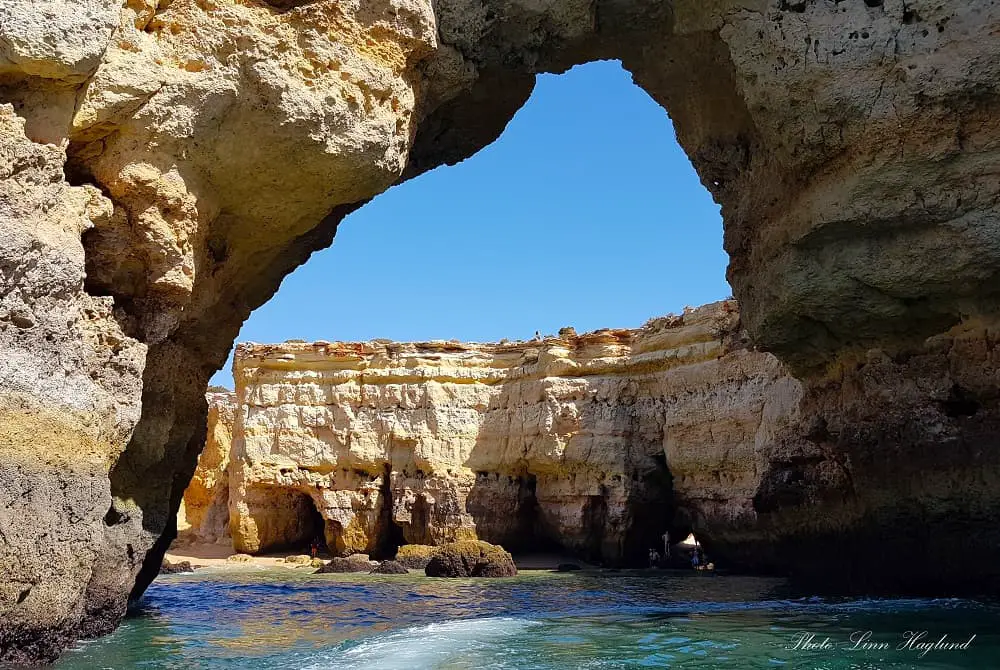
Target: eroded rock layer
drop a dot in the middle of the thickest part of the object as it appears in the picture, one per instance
(582, 442)
(598, 443)
(851, 144)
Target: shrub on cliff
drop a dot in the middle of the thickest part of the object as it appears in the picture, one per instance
(390, 568)
(353, 563)
(471, 558)
(415, 556)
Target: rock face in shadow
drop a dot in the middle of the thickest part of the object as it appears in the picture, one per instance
(186, 156)
(471, 559)
(893, 464)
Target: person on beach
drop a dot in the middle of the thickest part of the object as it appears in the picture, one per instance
(666, 545)
(315, 547)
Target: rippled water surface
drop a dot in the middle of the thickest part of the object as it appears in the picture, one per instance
(278, 619)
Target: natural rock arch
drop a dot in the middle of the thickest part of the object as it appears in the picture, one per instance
(847, 142)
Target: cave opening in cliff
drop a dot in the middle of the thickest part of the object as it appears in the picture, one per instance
(652, 512)
(389, 535)
(595, 521)
(506, 511)
(286, 519)
(418, 530)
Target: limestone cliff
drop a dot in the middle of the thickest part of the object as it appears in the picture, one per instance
(597, 443)
(850, 144)
(69, 400)
(204, 512)
(586, 442)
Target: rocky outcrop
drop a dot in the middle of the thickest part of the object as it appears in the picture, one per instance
(471, 559)
(353, 563)
(178, 568)
(850, 145)
(390, 568)
(415, 556)
(69, 401)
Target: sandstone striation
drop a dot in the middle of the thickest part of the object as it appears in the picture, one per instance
(186, 155)
(596, 444)
(582, 443)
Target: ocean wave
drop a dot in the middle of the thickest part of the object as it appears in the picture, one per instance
(421, 646)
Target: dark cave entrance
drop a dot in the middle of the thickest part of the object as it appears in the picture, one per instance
(527, 512)
(389, 535)
(316, 528)
(506, 511)
(294, 528)
(595, 520)
(652, 512)
(418, 530)
(529, 533)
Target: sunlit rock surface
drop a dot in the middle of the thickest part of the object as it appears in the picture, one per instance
(850, 144)
(204, 512)
(596, 444)
(577, 442)
(69, 399)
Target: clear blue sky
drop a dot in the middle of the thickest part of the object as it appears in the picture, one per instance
(585, 213)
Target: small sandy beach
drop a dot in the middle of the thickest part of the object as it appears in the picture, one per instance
(216, 556)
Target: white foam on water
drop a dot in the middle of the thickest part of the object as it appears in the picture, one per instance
(423, 647)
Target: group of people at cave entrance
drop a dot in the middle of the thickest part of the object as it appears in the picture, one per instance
(698, 559)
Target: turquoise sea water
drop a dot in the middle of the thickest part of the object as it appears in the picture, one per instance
(279, 619)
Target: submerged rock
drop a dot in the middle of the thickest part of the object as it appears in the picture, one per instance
(471, 559)
(390, 568)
